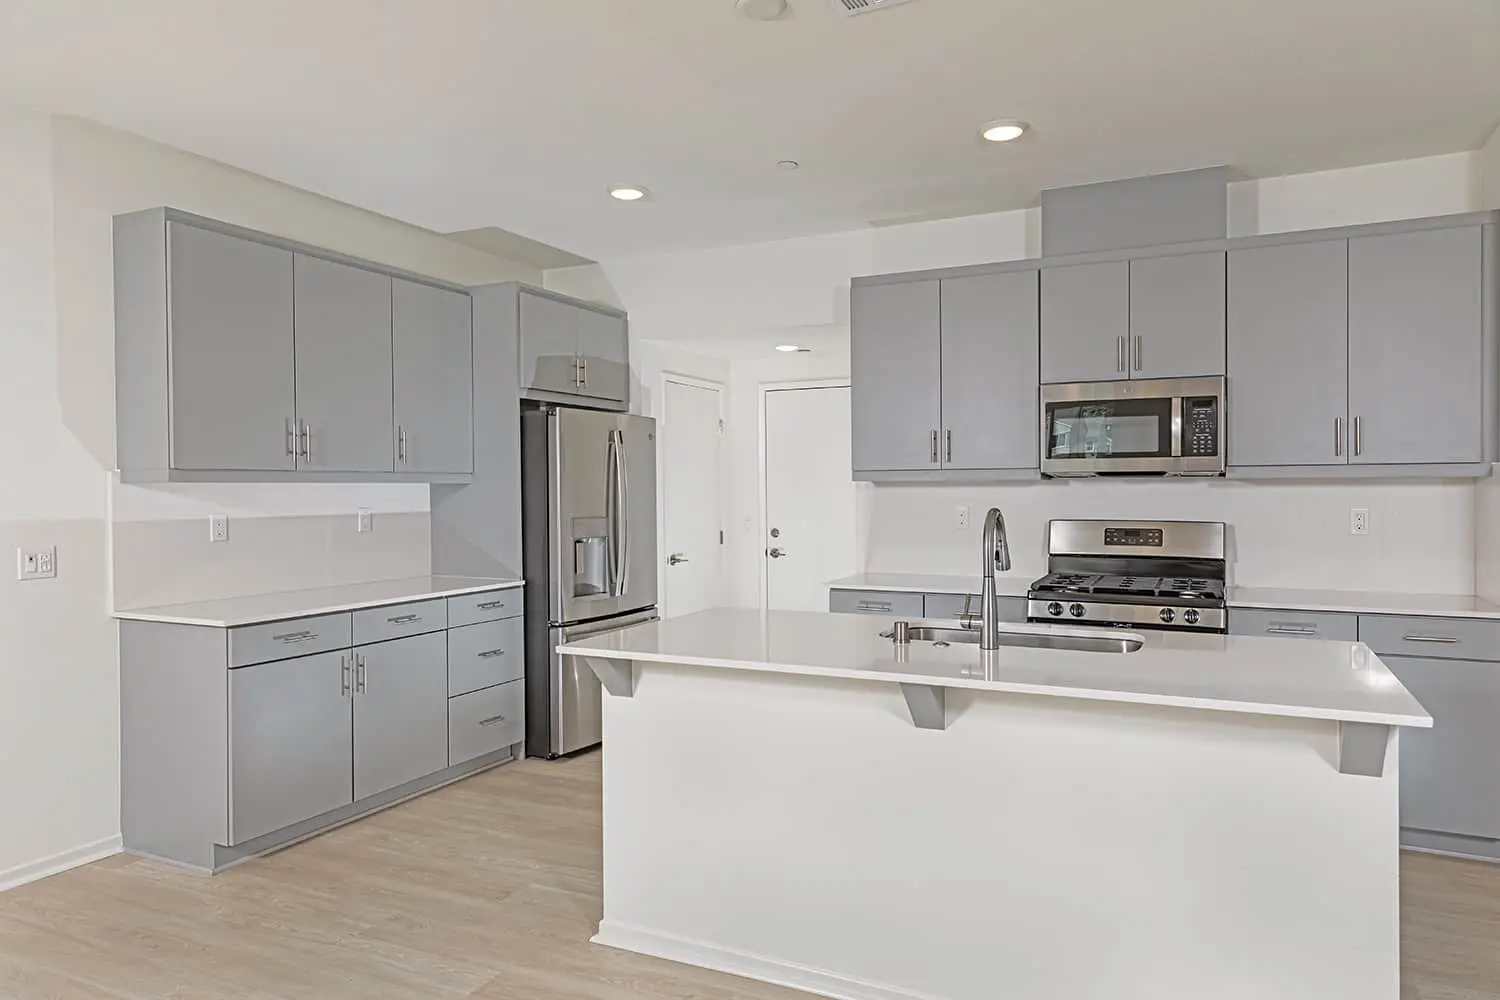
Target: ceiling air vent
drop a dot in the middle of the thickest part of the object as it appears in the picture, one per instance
(853, 7)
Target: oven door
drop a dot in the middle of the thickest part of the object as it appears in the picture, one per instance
(1128, 428)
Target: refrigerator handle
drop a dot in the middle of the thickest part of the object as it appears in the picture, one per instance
(619, 513)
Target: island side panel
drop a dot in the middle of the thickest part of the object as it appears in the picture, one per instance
(803, 831)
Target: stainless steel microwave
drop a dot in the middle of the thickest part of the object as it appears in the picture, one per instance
(1163, 427)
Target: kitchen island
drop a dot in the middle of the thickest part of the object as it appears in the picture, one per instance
(795, 798)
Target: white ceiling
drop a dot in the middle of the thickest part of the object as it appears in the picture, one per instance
(465, 114)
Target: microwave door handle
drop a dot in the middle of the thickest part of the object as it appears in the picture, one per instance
(1176, 426)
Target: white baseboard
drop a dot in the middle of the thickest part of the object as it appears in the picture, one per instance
(42, 867)
(688, 951)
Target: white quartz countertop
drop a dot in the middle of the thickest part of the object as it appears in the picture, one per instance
(233, 611)
(1246, 674)
(1351, 601)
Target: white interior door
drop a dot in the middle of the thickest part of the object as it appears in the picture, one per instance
(811, 521)
(692, 551)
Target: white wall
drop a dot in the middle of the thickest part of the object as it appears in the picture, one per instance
(742, 300)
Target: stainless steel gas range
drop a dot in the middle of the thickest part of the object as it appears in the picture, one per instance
(1133, 574)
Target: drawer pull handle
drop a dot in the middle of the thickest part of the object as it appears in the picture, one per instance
(295, 636)
(492, 720)
(874, 606)
(1291, 630)
(490, 654)
(1445, 639)
(404, 619)
(490, 605)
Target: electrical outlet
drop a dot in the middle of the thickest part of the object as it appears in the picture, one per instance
(218, 527)
(962, 520)
(1359, 520)
(365, 520)
(36, 564)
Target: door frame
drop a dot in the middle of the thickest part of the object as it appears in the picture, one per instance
(762, 493)
(695, 382)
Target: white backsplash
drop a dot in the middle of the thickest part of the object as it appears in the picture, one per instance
(1280, 535)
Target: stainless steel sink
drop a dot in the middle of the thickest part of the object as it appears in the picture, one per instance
(944, 635)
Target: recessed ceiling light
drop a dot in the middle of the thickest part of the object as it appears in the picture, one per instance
(761, 10)
(787, 164)
(628, 192)
(1003, 131)
(792, 349)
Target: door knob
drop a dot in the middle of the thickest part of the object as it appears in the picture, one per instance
(775, 553)
(675, 558)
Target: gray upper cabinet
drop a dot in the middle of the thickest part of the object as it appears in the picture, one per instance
(603, 355)
(1085, 322)
(290, 742)
(343, 351)
(433, 392)
(1416, 347)
(990, 355)
(1288, 354)
(232, 385)
(1177, 316)
(400, 712)
(896, 376)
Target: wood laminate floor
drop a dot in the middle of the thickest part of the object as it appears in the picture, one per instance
(488, 889)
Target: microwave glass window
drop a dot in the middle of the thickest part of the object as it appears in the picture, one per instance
(1110, 429)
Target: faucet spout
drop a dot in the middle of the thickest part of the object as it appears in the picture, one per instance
(996, 554)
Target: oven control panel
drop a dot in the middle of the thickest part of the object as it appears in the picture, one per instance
(1200, 427)
(1149, 537)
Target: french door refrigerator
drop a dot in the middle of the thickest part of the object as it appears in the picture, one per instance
(588, 514)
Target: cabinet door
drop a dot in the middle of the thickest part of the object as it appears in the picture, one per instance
(990, 348)
(290, 744)
(343, 347)
(549, 344)
(1288, 355)
(433, 338)
(1449, 772)
(895, 357)
(1085, 322)
(400, 712)
(1177, 316)
(603, 355)
(1416, 370)
(233, 388)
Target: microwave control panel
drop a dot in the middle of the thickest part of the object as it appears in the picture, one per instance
(1200, 427)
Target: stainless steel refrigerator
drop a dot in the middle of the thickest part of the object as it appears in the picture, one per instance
(588, 481)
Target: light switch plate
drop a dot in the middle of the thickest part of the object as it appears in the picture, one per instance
(218, 527)
(36, 564)
(365, 520)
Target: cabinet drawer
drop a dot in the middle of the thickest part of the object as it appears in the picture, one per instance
(490, 606)
(398, 620)
(485, 721)
(875, 602)
(1441, 638)
(953, 607)
(294, 637)
(483, 655)
(1331, 625)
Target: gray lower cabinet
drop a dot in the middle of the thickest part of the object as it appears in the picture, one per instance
(572, 349)
(990, 345)
(343, 352)
(1450, 774)
(895, 358)
(433, 388)
(290, 742)
(1417, 359)
(875, 602)
(1288, 360)
(1085, 322)
(400, 712)
(1177, 315)
(1332, 626)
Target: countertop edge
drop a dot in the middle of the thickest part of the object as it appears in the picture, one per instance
(163, 617)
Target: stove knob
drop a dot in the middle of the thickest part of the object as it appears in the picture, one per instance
(1055, 609)
(1190, 616)
(1167, 614)
(1077, 610)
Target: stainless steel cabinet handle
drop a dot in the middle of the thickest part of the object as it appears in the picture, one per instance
(1359, 436)
(295, 636)
(775, 553)
(874, 605)
(934, 448)
(490, 605)
(948, 444)
(1119, 354)
(490, 654)
(492, 720)
(307, 442)
(1338, 436)
(404, 619)
(291, 438)
(1138, 352)
(1446, 640)
(359, 673)
(1291, 630)
(676, 558)
(344, 675)
(401, 445)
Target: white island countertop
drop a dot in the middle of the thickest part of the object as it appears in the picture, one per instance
(1255, 675)
(235, 611)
